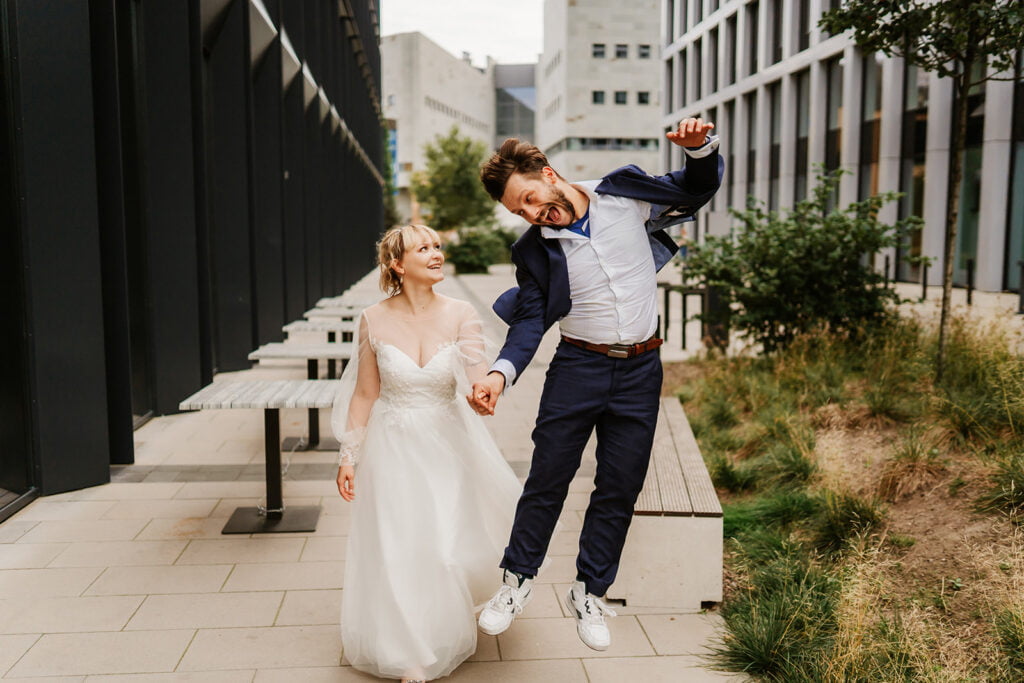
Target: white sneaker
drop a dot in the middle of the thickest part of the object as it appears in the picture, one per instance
(508, 602)
(590, 612)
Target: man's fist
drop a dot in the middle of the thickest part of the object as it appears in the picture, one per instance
(486, 392)
(690, 133)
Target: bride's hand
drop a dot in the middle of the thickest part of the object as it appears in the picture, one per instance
(486, 392)
(347, 482)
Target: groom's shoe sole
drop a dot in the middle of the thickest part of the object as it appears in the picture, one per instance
(578, 618)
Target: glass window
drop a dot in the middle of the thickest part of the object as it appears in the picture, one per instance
(803, 26)
(683, 95)
(620, 97)
(913, 146)
(670, 20)
(803, 126)
(1015, 230)
(730, 130)
(698, 63)
(751, 21)
(713, 61)
(833, 114)
(597, 50)
(643, 97)
(621, 51)
(597, 97)
(730, 50)
(643, 51)
(870, 126)
(970, 186)
(774, 152)
(776, 9)
(750, 104)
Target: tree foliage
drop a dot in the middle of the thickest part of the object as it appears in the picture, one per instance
(956, 39)
(787, 274)
(449, 188)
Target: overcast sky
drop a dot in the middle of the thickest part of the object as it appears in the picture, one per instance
(510, 32)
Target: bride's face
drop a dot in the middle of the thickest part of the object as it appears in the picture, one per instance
(422, 260)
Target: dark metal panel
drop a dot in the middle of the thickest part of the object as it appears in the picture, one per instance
(227, 182)
(268, 245)
(16, 458)
(163, 161)
(293, 142)
(113, 246)
(313, 182)
(53, 121)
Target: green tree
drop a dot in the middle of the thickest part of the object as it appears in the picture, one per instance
(784, 274)
(955, 39)
(449, 188)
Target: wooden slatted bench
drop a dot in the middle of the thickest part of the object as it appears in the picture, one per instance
(270, 396)
(343, 312)
(332, 352)
(349, 299)
(673, 553)
(333, 328)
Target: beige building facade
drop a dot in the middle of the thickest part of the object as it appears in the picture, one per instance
(598, 86)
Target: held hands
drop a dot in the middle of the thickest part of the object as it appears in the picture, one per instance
(691, 133)
(347, 482)
(486, 392)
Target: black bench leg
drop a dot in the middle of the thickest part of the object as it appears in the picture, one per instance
(331, 336)
(313, 439)
(272, 519)
(272, 432)
(682, 324)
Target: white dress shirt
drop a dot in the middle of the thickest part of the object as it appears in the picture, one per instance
(612, 278)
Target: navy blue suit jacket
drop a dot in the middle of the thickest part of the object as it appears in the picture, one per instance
(542, 297)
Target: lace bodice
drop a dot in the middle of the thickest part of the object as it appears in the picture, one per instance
(404, 384)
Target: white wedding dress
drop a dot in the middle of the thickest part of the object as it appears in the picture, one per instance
(434, 498)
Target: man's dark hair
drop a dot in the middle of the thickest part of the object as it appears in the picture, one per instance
(514, 156)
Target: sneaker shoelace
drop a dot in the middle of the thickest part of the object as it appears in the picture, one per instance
(506, 598)
(599, 611)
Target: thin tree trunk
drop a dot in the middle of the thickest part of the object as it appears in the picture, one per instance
(953, 210)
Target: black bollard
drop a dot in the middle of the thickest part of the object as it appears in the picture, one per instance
(885, 274)
(924, 282)
(970, 280)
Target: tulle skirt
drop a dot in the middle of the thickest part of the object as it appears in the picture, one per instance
(432, 514)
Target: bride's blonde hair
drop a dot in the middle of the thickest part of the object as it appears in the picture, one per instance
(392, 248)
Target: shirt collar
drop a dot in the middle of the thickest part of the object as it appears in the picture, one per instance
(587, 187)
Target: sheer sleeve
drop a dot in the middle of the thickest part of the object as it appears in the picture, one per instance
(359, 389)
(475, 350)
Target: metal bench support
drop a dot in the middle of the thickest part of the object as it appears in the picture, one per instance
(274, 518)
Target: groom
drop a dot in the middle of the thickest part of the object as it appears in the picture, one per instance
(589, 261)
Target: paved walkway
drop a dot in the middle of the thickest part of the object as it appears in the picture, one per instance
(133, 581)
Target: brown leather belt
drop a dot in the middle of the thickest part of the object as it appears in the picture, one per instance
(616, 350)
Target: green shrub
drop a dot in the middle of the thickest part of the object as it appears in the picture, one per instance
(725, 474)
(476, 249)
(787, 274)
(787, 464)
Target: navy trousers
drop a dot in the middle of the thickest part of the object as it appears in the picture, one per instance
(584, 391)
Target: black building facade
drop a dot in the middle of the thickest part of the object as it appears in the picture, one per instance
(178, 179)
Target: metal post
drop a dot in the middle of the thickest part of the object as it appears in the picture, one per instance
(272, 441)
(313, 439)
(885, 275)
(682, 323)
(664, 332)
(924, 282)
(970, 280)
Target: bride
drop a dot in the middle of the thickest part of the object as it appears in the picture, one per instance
(433, 498)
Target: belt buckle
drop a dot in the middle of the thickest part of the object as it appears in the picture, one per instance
(619, 350)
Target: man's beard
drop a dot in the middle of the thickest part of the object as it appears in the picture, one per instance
(562, 203)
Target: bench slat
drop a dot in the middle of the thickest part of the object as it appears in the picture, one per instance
(649, 501)
(701, 490)
(675, 499)
(263, 394)
(320, 325)
(295, 351)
